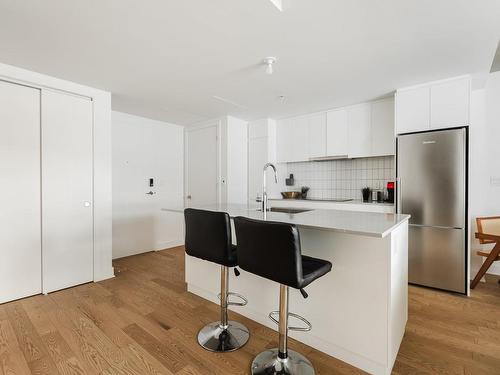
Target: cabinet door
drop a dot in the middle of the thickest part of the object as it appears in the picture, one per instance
(300, 139)
(284, 140)
(413, 110)
(336, 133)
(20, 226)
(67, 232)
(317, 135)
(292, 140)
(359, 130)
(382, 129)
(450, 102)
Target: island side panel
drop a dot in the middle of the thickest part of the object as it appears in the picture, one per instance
(398, 284)
(350, 316)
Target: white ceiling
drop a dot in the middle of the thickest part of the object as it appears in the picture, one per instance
(168, 59)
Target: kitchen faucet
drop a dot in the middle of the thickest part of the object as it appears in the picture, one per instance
(264, 185)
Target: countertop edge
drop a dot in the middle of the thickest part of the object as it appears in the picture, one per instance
(338, 230)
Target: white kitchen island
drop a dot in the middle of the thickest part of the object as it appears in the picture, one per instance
(359, 310)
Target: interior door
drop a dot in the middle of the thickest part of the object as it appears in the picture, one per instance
(20, 225)
(67, 212)
(202, 166)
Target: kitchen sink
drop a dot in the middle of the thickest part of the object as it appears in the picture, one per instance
(288, 210)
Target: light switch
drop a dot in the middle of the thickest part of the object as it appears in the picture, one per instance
(495, 180)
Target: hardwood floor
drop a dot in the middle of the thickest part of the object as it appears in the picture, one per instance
(144, 322)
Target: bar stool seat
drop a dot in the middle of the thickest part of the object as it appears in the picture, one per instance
(272, 250)
(312, 269)
(208, 237)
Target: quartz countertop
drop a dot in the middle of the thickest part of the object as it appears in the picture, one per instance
(352, 222)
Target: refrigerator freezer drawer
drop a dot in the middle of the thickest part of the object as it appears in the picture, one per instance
(436, 257)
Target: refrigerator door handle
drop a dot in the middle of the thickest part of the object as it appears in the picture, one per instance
(434, 226)
(398, 195)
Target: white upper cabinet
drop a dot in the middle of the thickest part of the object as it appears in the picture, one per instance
(450, 103)
(292, 140)
(413, 110)
(383, 137)
(336, 133)
(300, 139)
(317, 135)
(283, 140)
(359, 132)
(441, 104)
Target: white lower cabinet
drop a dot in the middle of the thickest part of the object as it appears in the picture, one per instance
(46, 178)
(20, 225)
(67, 231)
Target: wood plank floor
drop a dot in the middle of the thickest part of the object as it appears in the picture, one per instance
(144, 322)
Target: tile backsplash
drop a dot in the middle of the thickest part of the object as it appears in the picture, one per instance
(341, 179)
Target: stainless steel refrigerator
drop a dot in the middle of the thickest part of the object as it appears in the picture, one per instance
(432, 188)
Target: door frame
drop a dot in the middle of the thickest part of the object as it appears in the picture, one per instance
(217, 123)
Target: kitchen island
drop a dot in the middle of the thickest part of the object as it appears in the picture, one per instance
(359, 310)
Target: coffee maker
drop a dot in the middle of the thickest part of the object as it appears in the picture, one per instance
(390, 192)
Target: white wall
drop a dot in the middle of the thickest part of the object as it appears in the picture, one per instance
(103, 267)
(484, 159)
(143, 149)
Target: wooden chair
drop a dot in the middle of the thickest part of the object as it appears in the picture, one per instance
(488, 232)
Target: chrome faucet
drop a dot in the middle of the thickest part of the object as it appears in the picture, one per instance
(264, 185)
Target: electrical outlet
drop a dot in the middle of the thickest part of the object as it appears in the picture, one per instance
(495, 180)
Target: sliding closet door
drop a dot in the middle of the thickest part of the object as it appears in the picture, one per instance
(20, 252)
(67, 234)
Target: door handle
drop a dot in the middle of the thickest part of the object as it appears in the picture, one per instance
(398, 195)
(151, 193)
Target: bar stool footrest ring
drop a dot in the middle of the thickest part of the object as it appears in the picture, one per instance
(307, 328)
(232, 303)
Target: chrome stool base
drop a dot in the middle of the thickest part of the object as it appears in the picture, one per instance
(268, 363)
(215, 338)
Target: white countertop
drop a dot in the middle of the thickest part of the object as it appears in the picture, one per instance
(353, 222)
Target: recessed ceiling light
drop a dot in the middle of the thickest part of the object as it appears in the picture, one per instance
(269, 61)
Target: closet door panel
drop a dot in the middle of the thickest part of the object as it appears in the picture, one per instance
(67, 204)
(20, 227)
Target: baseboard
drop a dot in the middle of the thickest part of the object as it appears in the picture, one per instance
(168, 244)
(494, 269)
(107, 276)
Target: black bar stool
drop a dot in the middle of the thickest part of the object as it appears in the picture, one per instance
(272, 250)
(208, 237)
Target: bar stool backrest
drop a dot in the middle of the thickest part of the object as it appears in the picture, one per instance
(488, 225)
(208, 236)
(269, 249)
